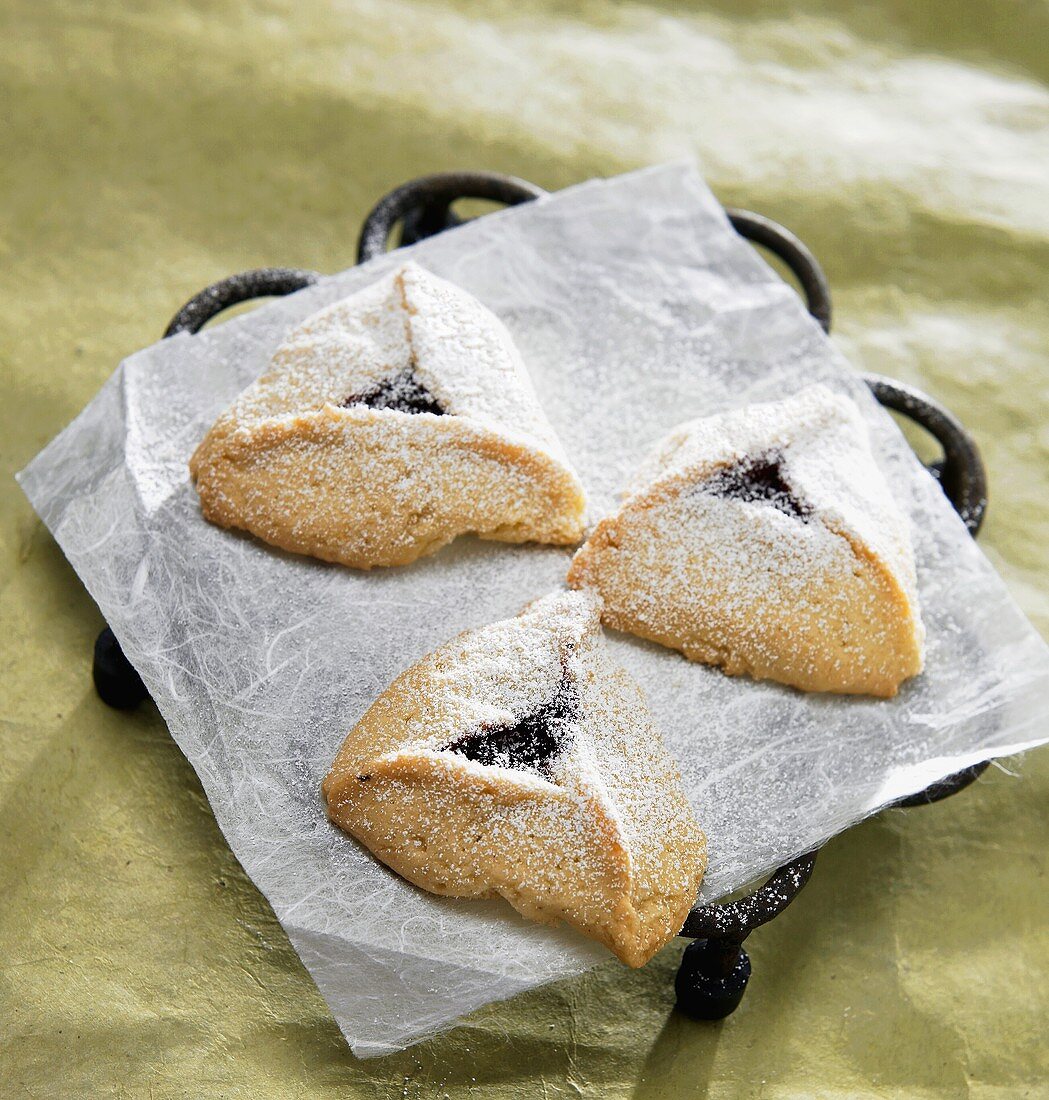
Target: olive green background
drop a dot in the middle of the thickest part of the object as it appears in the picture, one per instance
(148, 148)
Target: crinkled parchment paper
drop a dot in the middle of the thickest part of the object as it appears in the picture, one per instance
(635, 306)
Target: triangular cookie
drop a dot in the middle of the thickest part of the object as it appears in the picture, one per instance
(767, 542)
(518, 761)
(389, 423)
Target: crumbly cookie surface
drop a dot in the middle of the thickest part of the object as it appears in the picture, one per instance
(519, 761)
(765, 541)
(388, 424)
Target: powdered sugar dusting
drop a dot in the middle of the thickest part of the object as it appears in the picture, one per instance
(602, 777)
(388, 424)
(828, 457)
(408, 323)
(499, 672)
(767, 578)
(469, 361)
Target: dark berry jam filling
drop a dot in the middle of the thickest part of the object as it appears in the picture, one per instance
(532, 743)
(758, 480)
(402, 393)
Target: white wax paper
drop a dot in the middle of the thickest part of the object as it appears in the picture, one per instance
(635, 307)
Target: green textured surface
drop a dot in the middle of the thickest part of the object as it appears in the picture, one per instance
(148, 148)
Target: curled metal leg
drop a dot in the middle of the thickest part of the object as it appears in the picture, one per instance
(779, 240)
(961, 472)
(426, 202)
(262, 282)
(944, 788)
(737, 919)
(715, 968)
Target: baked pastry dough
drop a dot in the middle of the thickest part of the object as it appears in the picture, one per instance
(389, 423)
(518, 761)
(766, 541)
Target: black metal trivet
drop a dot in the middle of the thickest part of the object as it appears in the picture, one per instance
(715, 968)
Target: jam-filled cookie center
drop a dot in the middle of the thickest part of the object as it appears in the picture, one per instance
(758, 480)
(403, 392)
(532, 743)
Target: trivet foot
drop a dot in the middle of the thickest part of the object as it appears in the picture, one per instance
(116, 681)
(712, 978)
